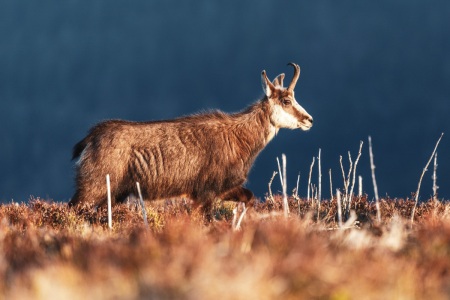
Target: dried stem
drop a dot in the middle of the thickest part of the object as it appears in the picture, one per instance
(346, 178)
(331, 186)
(285, 199)
(309, 178)
(108, 188)
(421, 177)
(360, 188)
(374, 181)
(237, 225)
(339, 207)
(141, 201)
(434, 177)
(296, 193)
(270, 187)
(319, 195)
(354, 175)
(279, 172)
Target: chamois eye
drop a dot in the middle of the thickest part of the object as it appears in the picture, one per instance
(286, 102)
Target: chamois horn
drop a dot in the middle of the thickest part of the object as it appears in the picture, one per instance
(295, 78)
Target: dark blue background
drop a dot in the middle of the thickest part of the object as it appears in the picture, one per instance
(379, 68)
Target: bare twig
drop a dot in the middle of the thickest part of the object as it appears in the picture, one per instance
(319, 195)
(354, 175)
(141, 201)
(360, 188)
(242, 216)
(374, 181)
(296, 187)
(108, 188)
(342, 169)
(434, 177)
(285, 199)
(279, 172)
(296, 193)
(237, 225)
(346, 178)
(309, 178)
(234, 221)
(339, 207)
(421, 177)
(313, 193)
(331, 187)
(343, 174)
(270, 185)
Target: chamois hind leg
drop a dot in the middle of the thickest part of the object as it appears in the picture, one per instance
(93, 192)
(238, 194)
(94, 197)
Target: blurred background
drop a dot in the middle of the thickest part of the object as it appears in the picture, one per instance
(379, 68)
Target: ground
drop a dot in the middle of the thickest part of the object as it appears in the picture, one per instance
(50, 251)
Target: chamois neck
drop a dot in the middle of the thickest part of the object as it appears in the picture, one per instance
(255, 123)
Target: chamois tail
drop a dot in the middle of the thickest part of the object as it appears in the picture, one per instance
(79, 147)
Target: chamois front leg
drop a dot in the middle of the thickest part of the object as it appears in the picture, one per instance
(203, 205)
(238, 194)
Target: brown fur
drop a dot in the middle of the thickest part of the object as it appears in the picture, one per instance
(202, 156)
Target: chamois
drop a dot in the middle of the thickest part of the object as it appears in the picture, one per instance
(202, 157)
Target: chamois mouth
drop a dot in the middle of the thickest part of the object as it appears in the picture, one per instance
(304, 127)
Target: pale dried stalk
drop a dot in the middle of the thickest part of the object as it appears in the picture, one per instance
(296, 193)
(285, 199)
(233, 223)
(374, 181)
(141, 201)
(421, 177)
(270, 187)
(331, 187)
(339, 207)
(346, 179)
(296, 187)
(360, 188)
(242, 216)
(279, 172)
(108, 188)
(342, 168)
(354, 175)
(309, 178)
(434, 177)
(319, 195)
(313, 193)
(237, 225)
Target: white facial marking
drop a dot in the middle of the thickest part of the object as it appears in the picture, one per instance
(305, 124)
(283, 119)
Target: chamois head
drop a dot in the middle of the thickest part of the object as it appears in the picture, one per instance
(285, 111)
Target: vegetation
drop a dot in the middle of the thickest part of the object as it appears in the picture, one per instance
(50, 251)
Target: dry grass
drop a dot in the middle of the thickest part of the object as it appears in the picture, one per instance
(48, 251)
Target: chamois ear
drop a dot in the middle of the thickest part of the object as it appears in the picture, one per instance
(266, 84)
(278, 81)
